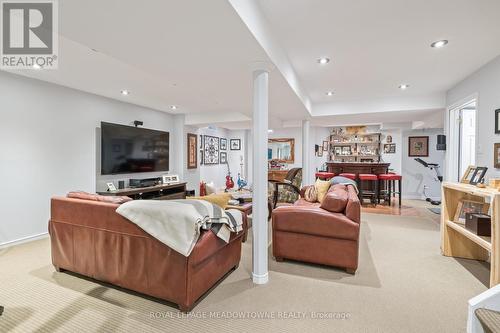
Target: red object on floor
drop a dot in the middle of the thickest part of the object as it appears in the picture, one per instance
(325, 175)
(348, 175)
(367, 176)
(390, 190)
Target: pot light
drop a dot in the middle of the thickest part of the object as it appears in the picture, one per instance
(323, 60)
(404, 86)
(329, 93)
(125, 92)
(440, 43)
(173, 107)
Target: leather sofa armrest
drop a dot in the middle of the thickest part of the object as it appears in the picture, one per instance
(353, 207)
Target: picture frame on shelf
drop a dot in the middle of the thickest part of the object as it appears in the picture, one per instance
(469, 206)
(478, 175)
(111, 187)
(496, 156)
(223, 157)
(235, 144)
(192, 151)
(223, 144)
(467, 176)
(346, 150)
(497, 121)
(337, 150)
(418, 146)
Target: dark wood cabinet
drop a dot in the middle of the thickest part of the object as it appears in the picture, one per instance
(158, 192)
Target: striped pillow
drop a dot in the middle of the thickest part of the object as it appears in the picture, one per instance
(310, 194)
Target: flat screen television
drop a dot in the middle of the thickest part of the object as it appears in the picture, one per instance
(127, 149)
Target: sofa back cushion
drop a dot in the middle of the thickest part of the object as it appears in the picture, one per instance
(336, 199)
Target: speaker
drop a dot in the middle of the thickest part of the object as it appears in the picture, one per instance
(121, 184)
(441, 142)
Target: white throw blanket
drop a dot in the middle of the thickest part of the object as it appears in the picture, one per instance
(177, 223)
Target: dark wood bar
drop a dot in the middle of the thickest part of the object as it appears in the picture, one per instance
(357, 167)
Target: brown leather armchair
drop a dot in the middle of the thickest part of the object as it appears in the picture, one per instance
(287, 191)
(307, 232)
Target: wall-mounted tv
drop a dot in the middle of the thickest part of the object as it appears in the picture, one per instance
(127, 149)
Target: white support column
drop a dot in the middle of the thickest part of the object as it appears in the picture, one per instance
(260, 273)
(306, 153)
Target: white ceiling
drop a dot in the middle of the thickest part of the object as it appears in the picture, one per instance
(375, 46)
(198, 55)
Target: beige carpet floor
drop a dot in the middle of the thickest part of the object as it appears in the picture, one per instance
(403, 285)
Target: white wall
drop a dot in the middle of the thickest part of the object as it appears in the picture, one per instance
(48, 140)
(415, 175)
(396, 158)
(486, 84)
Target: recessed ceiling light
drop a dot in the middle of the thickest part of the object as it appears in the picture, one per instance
(125, 92)
(173, 107)
(329, 93)
(37, 66)
(404, 86)
(323, 60)
(440, 43)
(270, 131)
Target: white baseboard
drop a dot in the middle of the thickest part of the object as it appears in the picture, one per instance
(24, 240)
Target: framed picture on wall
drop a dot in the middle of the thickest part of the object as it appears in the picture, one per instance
(320, 151)
(325, 145)
(390, 148)
(497, 121)
(223, 157)
(210, 150)
(418, 146)
(235, 144)
(223, 144)
(496, 156)
(192, 151)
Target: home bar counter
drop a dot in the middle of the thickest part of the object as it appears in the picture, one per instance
(357, 167)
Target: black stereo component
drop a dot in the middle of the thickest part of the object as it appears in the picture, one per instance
(146, 182)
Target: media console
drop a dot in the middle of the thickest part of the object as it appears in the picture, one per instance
(157, 192)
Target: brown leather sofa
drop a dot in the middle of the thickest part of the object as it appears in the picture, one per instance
(90, 238)
(307, 232)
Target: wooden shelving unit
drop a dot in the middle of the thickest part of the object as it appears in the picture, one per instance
(457, 241)
(363, 147)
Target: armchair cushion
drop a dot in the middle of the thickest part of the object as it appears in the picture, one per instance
(310, 194)
(314, 221)
(335, 199)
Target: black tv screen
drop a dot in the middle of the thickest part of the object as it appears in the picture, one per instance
(127, 149)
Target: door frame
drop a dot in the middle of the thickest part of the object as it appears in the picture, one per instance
(453, 134)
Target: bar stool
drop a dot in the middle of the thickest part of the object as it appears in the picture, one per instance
(324, 175)
(363, 177)
(348, 175)
(391, 179)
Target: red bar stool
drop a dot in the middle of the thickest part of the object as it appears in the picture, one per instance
(324, 175)
(391, 179)
(364, 177)
(348, 175)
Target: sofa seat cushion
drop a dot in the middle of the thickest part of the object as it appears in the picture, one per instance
(314, 221)
(303, 202)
